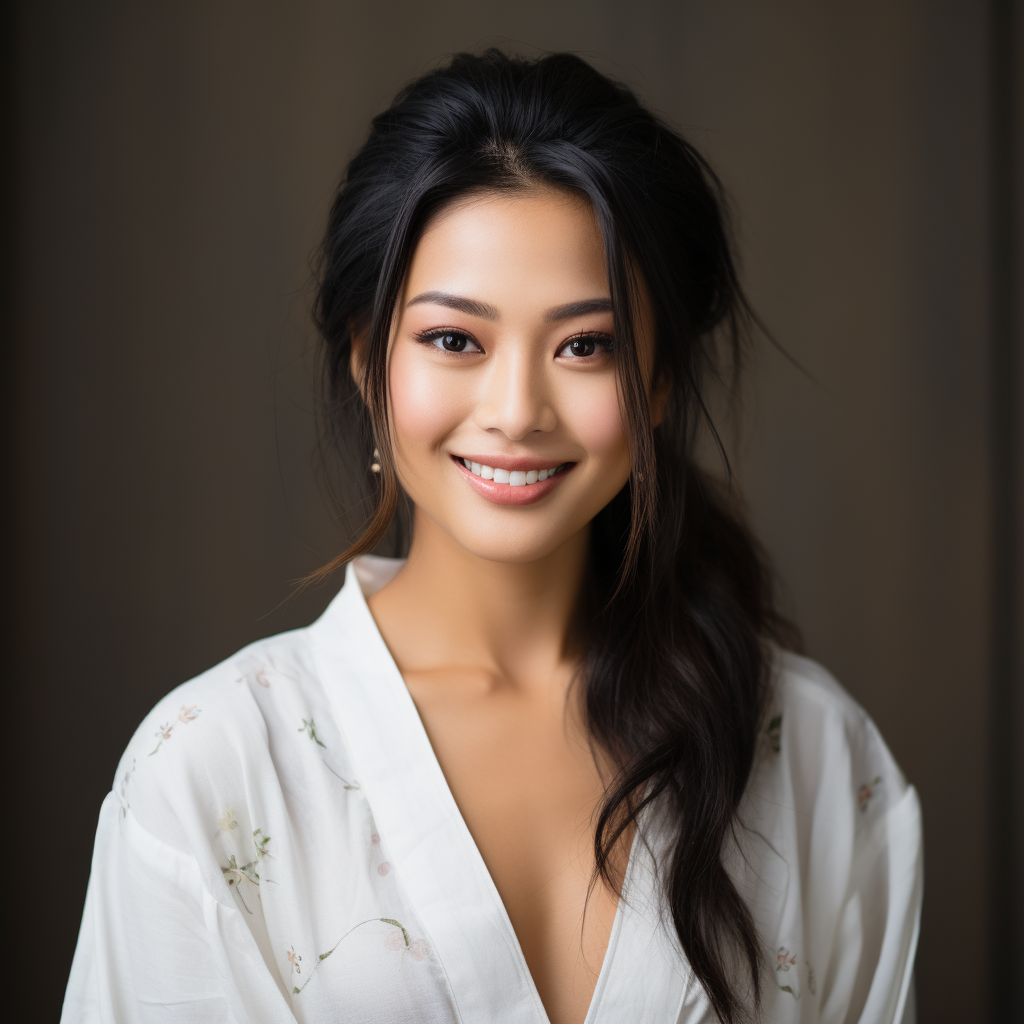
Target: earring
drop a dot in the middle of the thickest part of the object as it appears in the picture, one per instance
(375, 465)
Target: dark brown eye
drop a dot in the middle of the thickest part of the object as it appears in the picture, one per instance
(586, 345)
(453, 342)
(583, 347)
(450, 341)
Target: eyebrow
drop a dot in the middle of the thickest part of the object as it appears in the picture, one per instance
(463, 305)
(488, 312)
(582, 308)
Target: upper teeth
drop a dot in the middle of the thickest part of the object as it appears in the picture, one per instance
(515, 477)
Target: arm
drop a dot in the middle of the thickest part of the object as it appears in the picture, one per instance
(155, 945)
(872, 968)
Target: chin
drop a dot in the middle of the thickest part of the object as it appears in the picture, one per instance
(527, 543)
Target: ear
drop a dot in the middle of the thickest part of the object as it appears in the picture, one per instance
(357, 360)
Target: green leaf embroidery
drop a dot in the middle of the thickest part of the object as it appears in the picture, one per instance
(323, 956)
(310, 729)
(391, 920)
(261, 843)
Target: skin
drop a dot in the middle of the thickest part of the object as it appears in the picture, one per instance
(483, 619)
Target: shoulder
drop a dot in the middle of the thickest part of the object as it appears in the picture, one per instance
(826, 740)
(202, 747)
(828, 855)
(227, 698)
(825, 789)
(264, 724)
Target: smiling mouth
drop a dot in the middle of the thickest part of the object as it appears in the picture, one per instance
(512, 477)
(512, 486)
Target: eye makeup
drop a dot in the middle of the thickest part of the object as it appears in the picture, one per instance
(579, 347)
(449, 339)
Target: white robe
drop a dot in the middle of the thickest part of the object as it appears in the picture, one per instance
(280, 845)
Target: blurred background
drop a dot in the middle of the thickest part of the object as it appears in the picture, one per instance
(169, 176)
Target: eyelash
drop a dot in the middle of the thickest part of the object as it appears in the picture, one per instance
(430, 336)
(427, 337)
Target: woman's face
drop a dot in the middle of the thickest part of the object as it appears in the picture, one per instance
(505, 410)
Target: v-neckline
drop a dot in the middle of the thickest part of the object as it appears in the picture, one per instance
(435, 855)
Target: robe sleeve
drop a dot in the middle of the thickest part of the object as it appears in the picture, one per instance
(155, 946)
(845, 857)
(871, 972)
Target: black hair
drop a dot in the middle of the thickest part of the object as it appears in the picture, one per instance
(678, 656)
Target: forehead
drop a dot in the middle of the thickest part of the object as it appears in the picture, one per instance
(516, 250)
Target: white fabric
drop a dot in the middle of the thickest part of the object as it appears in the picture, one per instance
(280, 845)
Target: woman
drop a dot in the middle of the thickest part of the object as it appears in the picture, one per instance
(556, 764)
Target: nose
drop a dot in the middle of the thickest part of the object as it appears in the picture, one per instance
(514, 398)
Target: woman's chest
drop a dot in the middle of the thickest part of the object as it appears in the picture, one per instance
(354, 865)
(527, 787)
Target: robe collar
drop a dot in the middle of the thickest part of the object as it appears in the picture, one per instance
(643, 977)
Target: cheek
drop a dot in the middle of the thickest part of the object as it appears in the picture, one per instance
(425, 403)
(596, 421)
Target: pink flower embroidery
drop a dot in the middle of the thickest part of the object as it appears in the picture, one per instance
(383, 869)
(187, 715)
(867, 791)
(374, 838)
(398, 941)
(784, 961)
(163, 733)
(253, 669)
(295, 960)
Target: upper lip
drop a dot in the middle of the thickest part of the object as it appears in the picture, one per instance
(522, 463)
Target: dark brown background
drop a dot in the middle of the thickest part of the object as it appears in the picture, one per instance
(173, 167)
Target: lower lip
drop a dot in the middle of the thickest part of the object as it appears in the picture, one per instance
(506, 494)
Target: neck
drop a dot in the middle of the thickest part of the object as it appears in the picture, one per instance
(514, 620)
